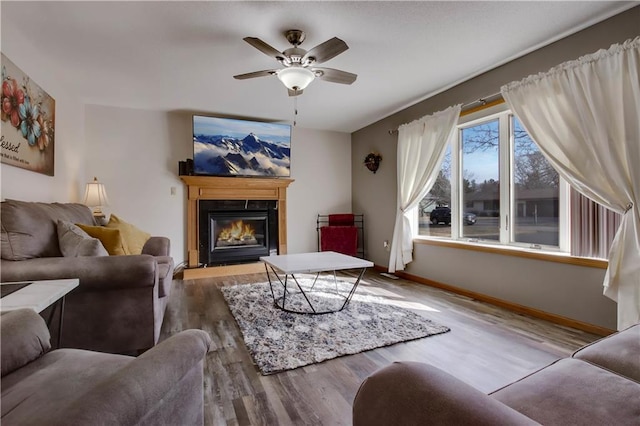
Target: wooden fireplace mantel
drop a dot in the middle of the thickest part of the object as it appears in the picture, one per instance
(230, 188)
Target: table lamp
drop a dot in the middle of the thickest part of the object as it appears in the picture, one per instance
(95, 197)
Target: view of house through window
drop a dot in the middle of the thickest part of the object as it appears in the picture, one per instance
(536, 192)
(507, 192)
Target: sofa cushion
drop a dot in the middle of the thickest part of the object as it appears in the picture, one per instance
(134, 239)
(572, 392)
(74, 242)
(110, 238)
(619, 352)
(29, 230)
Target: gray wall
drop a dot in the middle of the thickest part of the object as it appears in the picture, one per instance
(567, 290)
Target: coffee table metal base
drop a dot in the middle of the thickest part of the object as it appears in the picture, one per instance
(285, 283)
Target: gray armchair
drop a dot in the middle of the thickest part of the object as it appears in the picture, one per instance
(163, 386)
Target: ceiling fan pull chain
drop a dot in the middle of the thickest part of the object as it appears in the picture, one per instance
(295, 110)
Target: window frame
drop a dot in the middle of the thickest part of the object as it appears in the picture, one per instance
(508, 205)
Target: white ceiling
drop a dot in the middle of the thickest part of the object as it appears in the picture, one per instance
(182, 55)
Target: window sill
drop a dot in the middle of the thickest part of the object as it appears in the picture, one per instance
(515, 251)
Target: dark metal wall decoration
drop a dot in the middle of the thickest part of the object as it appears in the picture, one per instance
(372, 161)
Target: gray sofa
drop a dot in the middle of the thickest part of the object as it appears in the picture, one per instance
(598, 385)
(163, 386)
(120, 302)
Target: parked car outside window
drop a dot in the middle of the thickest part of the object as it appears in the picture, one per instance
(469, 218)
(440, 215)
(443, 215)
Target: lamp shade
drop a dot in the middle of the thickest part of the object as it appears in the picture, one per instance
(95, 195)
(296, 78)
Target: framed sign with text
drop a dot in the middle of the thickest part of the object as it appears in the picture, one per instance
(28, 122)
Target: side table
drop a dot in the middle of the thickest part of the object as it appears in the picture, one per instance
(38, 295)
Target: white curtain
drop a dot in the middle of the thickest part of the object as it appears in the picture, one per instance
(584, 116)
(421, 148)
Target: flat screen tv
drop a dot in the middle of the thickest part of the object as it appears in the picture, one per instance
(231, 147)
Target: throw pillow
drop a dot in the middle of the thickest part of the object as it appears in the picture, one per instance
(111, 238)
(134, 239)
(74, 242)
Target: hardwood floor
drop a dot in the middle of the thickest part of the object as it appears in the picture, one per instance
(487, 347)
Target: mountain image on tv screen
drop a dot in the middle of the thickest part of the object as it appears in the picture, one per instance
(229, 147)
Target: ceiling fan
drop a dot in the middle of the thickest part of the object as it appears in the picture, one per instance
(299, 65)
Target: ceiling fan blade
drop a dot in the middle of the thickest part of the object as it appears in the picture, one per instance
(334, 76)
(325, 51)
(295, 92)
(254, 74)
(264, 48)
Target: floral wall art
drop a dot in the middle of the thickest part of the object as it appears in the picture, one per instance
(28, 119)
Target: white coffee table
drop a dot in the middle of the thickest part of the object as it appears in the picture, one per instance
(312, 263)
(39, 295)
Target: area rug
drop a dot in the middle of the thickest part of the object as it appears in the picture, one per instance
(279, 340)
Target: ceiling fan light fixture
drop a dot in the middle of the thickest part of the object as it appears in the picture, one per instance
(295, 78)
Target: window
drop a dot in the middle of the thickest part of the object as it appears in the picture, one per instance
(497, 187)
(434, 214)
(536, 192)
(480, 184)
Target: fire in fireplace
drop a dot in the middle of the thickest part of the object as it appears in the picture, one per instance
(236, 234)
(237, 231)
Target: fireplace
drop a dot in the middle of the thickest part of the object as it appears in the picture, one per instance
(202, 189)
(237, 231)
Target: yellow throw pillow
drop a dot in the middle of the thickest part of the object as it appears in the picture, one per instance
(110, 238)
(134, 239)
